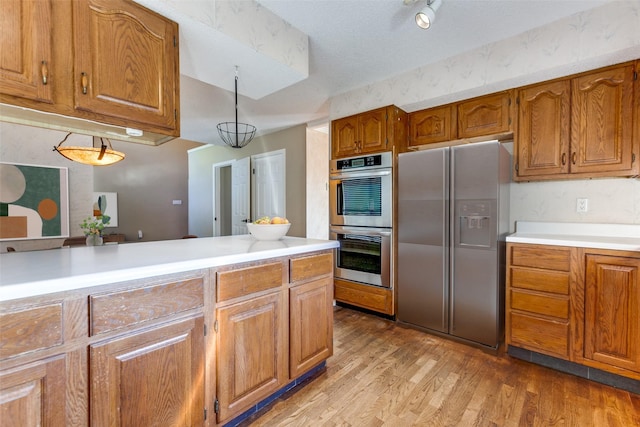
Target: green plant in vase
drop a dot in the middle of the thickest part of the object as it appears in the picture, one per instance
(93, 228)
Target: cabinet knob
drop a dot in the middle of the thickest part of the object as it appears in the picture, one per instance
(44, 71)
(84, 81)
(573, 158)
(564, 159)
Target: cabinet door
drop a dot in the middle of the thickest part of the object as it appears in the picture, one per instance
(612, 307)
(151, 378)
(252, 359)
(344, 137)
(25, 53)
(487, 115)
(432, 125)
(310, 325)
(372, 131)
(35, 394)
(126, 62)
(542, 140)
(602, 123)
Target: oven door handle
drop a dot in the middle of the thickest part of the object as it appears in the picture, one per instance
(354, 230)
(359, 175)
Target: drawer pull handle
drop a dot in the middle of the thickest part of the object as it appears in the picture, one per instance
(44, 70)
(85, 82)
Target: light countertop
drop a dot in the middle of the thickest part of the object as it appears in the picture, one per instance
(622, 237)
(24, 274)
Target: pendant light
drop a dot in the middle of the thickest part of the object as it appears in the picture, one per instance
(234, 134)
(95, 156)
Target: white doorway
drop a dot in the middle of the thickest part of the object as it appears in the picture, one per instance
(240, 195)
(222, 198)
(268, 184)
(246, 189)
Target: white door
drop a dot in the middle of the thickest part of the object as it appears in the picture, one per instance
(268, 184)
(240, 196)
(222, 198)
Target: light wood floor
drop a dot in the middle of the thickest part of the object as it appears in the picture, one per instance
(383, 374)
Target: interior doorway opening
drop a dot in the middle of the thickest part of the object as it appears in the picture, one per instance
(246, 189)
(222, 199)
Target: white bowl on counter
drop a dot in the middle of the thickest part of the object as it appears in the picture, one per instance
(268, 231)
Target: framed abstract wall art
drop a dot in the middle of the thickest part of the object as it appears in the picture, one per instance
(34, 201)
(106, 204)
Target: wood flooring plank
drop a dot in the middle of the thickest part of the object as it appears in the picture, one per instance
(383, 374)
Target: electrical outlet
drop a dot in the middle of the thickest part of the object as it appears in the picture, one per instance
(582, 205)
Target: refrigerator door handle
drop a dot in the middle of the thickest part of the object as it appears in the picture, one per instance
(446, 255)
(452, 242)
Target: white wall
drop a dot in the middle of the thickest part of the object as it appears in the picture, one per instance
(317, 184)
(611, 200)
(599, 37)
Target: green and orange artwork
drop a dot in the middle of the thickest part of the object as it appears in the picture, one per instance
(32, 199)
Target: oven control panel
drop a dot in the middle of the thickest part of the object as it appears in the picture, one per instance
(363, 162)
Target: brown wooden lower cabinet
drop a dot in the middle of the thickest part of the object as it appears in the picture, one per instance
(364, 296)
(34, 394)
(252, 353)
(577, 304)
(151, 378)
(273, 331)
(611, 311)
(161, 351)
(310, 325)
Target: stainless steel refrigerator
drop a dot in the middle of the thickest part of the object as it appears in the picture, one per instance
(453, 216)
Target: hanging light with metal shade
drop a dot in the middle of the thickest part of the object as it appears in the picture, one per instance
(234, 134)
(95, 156)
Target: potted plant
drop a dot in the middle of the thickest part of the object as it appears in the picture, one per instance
(93, 227)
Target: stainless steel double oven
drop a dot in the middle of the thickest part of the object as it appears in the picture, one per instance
(361, 203)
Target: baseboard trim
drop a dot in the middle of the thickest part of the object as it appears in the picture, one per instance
(597, 375)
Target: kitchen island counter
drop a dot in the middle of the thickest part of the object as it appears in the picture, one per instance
(26, 274)
(212, 325)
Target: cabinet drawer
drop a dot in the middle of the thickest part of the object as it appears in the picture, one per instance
(245, 281)
(31, 329)
(540, 280)
(117, 310)
(311, 266)
(541, 304)
(365, 296)
(536, 256)
(545, 336)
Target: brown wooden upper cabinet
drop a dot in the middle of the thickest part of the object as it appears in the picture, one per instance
(26, 54)
(487, 115)
(433, 125)
(125, 60)
(578, 127)
(110, 61)
(369, 132)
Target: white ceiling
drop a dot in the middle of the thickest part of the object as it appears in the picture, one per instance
(351, 43)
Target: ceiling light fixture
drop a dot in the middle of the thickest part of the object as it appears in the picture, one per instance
(95, 156)
(234, 134)
(426, 16)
